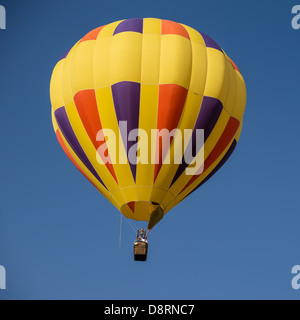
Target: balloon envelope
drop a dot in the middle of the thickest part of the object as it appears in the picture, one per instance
(128, 87)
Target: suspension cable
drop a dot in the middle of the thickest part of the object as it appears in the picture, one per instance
(132, 225)
(121, 225)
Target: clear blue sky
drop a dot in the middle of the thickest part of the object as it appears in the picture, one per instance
(237, 237)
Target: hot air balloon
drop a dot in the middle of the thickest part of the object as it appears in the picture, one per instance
(125, 80)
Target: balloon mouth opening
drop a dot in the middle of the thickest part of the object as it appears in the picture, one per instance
(148, 211)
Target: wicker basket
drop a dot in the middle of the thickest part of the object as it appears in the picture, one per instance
(140, 250)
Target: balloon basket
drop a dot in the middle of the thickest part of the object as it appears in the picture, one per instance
(140, 250)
